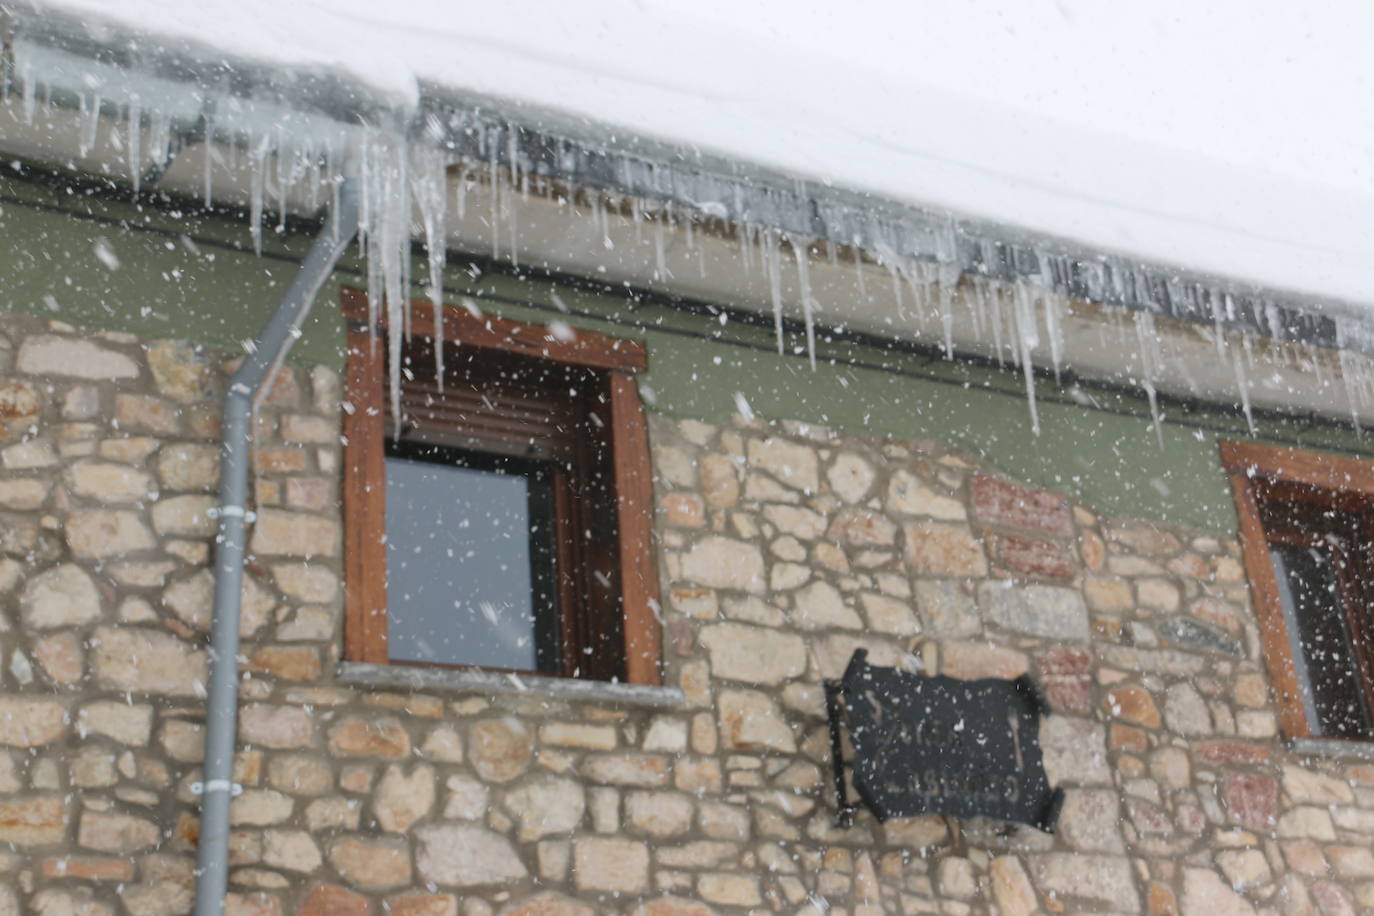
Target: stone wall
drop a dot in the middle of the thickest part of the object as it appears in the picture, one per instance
(782, 548)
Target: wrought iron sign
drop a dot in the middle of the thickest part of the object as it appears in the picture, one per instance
(926, 744)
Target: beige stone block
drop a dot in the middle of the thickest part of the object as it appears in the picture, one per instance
(371, 863)
(820, 606)
(34, 821)
(276, 726)
(28, 722)
(30, 455)
(610, 865)
(184, 516)
(729, 889)
(751, 720)
(63, 596)
(579, 735)
(291, 850)
(850, 477)
(755, 655)
(720, 562)
(116, 833)
(464, 855)
(23, 494)
(188, 466)
(889, 615)
(719, 481)
(402, 798)
(500, 749)
(1011, 888)
(260, 808)
(466, 799)
(109, 482)
(791, 464)
(295, 534)
(179, 369)
(978, 659)
(658, 814)
(1205, 892)
(546, 806)
(907, 494)
(300, 774)
(61, 657)
(99, 533)
(944, 549)
(147, 661)
(646, 770)
(73, 357)
(127, 723)
(1309, 786)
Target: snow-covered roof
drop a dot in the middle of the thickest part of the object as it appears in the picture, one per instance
(1229, 138)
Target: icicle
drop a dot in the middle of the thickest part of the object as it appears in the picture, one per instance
(133, 146)
(257, 165)
(29, 98)
(859, 271)
(428, 183)
(1348, 371)
(1053, 302)
(460, 191)
(772, 257)
(1243, 384)
(211, 154)
(1151, 360)
(90, 122)
(661, 246)
(159, 138)
(801, 252)
(1028, 339)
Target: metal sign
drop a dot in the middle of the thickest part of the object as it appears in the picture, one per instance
(936, 745)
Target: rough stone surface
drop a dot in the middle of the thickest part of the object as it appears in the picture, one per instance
(60, 597)
(466, 856)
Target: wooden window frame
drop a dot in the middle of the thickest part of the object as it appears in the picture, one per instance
(618, 359)
(1328, 480)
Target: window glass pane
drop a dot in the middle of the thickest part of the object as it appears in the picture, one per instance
(459, 586)
(1312, 601)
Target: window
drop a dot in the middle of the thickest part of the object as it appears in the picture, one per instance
(1307, 531)
(503, 519)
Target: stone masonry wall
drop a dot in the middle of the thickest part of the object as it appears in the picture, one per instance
(782, 548)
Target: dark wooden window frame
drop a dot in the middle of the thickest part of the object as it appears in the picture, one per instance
(364, 428)
(1260, 472)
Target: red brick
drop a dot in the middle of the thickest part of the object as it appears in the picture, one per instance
(1252, 799)
(684, 510)
(1231, 752)
(1034, 556)
(997, 502)
(328, 900)
(277, 460)
(1071, 693)
(1123, 737)
(1062, 660)
(290, 663)
(90, 869)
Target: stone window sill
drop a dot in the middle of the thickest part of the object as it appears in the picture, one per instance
(1327, 747)
(360, 674)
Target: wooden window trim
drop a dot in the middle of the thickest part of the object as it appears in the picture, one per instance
(365, 475)
(1250, 468)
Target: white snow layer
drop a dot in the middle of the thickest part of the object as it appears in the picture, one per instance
(1231, 137)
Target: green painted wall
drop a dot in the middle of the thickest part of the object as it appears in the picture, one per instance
(197, 277)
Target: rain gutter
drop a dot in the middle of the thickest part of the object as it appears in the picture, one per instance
(253, 378)
(208, 95)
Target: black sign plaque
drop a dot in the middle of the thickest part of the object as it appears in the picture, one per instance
(926, 744)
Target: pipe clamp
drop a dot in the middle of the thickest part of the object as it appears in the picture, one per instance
(248, 515)
(216, 785)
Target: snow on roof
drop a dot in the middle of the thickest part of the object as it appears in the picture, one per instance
(1228, 138)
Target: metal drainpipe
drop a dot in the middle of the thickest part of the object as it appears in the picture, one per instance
(221, 719)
